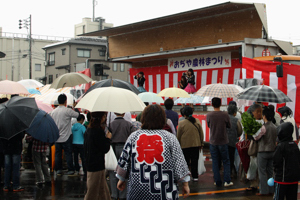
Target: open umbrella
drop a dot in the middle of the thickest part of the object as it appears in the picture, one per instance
(173, 92)
(50, 98)
(150, 97)
(70, 80)
(33, 91)
(218, 90)
(16, 115)
(115, 83)
(45, 107)
(30, 83)
(43, 128)
(263, 93)
(111, 99)
(192, 100)
(11, 87)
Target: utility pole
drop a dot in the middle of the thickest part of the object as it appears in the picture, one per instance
(27, 25)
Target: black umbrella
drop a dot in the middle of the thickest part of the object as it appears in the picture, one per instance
(263, 93)
(116, 83)
(16, 115)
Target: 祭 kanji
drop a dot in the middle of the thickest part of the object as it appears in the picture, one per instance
(171, 63)
(189, 62)
(195, 62)
(176, 64)
(150, 147)
(182, 63)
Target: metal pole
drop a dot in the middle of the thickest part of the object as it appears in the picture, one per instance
(12, 59)
(30, 76)
(93, 10)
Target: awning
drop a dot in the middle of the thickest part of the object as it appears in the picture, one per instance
(67, 67)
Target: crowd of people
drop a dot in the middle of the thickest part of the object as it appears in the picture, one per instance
(159, 151)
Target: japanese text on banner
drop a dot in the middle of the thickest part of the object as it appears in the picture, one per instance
(196, 62)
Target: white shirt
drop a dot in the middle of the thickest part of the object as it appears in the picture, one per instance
(62, 117)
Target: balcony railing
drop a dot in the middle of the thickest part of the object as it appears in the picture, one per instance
(38, 37)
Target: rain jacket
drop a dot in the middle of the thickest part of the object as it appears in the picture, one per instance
(286, 159)
(78, 131)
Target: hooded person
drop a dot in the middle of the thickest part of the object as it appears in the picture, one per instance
(286, 162)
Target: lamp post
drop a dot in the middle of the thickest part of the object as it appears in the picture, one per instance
(26, 23)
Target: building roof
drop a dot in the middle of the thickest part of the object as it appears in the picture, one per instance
(82, 40)
(183, 17)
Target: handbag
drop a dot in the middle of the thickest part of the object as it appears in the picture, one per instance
(201, 167)
(110, 160)
(253, 148)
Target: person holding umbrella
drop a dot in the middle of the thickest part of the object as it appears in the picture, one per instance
(62, 117)
(12, 150)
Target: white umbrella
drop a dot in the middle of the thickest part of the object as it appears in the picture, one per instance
(173, 92)
(70, 80)
(50, 98)
(111, 99)
(30, 83)
(150, 97)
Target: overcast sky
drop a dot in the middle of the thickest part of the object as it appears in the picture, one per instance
(58, 17)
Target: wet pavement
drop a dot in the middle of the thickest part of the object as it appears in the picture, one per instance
(66, 187)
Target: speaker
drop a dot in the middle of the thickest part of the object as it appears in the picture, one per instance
(279, 70)
(98, 69)
(240, 55)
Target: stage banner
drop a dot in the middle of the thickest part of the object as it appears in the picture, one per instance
(198, 62)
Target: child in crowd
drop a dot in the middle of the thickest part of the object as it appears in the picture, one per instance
(78, 131)
(286, 162)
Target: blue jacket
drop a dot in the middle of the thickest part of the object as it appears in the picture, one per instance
(78, 131)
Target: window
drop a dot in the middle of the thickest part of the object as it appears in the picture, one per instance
(102, 51)
(115, 67)
(37, 67)
(83, 53)
(50, 79)
(63, 52)
(51, 59)
(122, 69)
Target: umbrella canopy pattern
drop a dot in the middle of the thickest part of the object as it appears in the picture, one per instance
(111, 99)
(11, 87)
(218, 90)
(50, 98)
(150, 97)
(43, 128)
(194, 99)
(115, 83)
(33, 91)
(30, 83)
(45, 107)
(173, 92)
(70, 80)
(16, 115)
(263, 93)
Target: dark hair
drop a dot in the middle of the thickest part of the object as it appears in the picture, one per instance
(169, 103)
(188, 112)
(181, 111)
(80, 117)
(191, 70)
(153, 117)
(62, 98)
(184, 78)
(3, 100)
(268, 113)
(96, 119)
(88, 116)
(252, 108)
(216, 102)
(232, 103)
(285, 111)
(231, 109)
(146, 103)
(141, 73)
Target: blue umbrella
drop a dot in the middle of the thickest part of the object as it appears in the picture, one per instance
(33, 91)
(43, 128)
